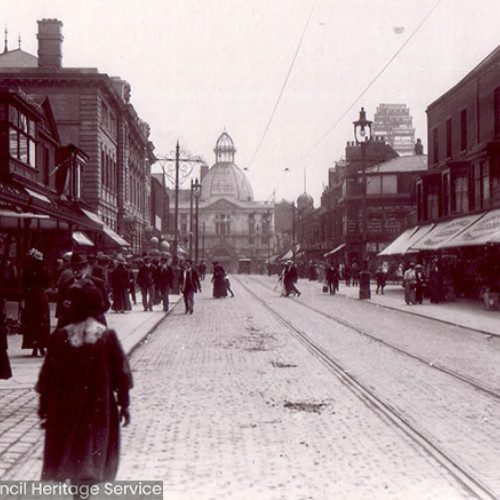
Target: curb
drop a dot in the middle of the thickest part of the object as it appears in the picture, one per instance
(413, 313)
(150, 331)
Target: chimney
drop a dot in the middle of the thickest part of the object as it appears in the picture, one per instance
(49, 44)
(419, 148)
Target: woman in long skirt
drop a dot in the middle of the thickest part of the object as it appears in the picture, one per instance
(35, 316)
(120, 283)
(219, 281)
(84, 394)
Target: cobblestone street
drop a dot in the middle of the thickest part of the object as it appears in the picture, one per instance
(227, 404)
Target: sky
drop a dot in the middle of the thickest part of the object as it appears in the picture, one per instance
(284, 78)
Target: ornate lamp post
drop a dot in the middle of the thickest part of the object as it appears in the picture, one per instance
(179, 168)
(363, 135)
(197, 196)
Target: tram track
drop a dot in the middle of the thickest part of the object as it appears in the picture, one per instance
(368, 396)
(474, 383)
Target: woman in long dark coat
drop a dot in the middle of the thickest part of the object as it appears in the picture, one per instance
(120, 283)
(5, 370)
(84, 393)
(35, 318)
(219, 281)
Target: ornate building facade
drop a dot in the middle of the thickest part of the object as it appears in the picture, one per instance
(233, 228)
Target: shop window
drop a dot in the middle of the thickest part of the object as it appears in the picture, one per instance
(495, 183)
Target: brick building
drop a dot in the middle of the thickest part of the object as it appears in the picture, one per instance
(94, 112)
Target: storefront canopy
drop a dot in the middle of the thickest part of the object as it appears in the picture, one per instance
(114, 238)
(485, 230)
(443, 232)
(396, 247)
(334, 251)
(82, 239)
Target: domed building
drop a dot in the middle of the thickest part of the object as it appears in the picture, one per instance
(233, 228)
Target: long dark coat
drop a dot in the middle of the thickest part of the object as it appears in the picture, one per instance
(35, 318)
(5, 370)
(80, 390)
(290, 278)
(120, 283)
(219, 282)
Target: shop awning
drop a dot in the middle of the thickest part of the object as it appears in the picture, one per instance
(25, 215)
(396, 247)
(38, 196)
(485, 230)
(404, 246)
(82, 239)
(335, 250)
(10, 220)
(114, 238)
(444, 232)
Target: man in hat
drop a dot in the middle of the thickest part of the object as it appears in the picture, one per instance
(165, 280)
(189, 285)
(145, 280)
(410, 283)
(81, 274)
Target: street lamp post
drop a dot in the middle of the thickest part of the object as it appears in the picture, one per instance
(363, 135)
(191, 196)
(197, 195)
(183, 167)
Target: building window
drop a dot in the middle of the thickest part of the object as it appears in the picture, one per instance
(222, 225)
(435, 146)
(481, 185)
(497, 110)
(460, 200)
(463, 130)
(420, 201)
(382, 184)
(22, 137)
(448, 139)
(446, 194)
(433, 202)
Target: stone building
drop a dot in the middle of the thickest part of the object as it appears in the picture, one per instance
(393, 123)
(94, 112)
(233, 228)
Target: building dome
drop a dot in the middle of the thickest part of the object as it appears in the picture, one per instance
(305, 201)
(225, 179)
(224, 149)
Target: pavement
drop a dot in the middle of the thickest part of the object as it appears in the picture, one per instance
(463, 313)
(225, 402)
(132, 328)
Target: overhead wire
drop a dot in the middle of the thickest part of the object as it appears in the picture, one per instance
(370, 84)
(280, 95)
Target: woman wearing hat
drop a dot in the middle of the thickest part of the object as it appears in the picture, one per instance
(84, 388)
(35, 316)
(81, 274)
(120, 281)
